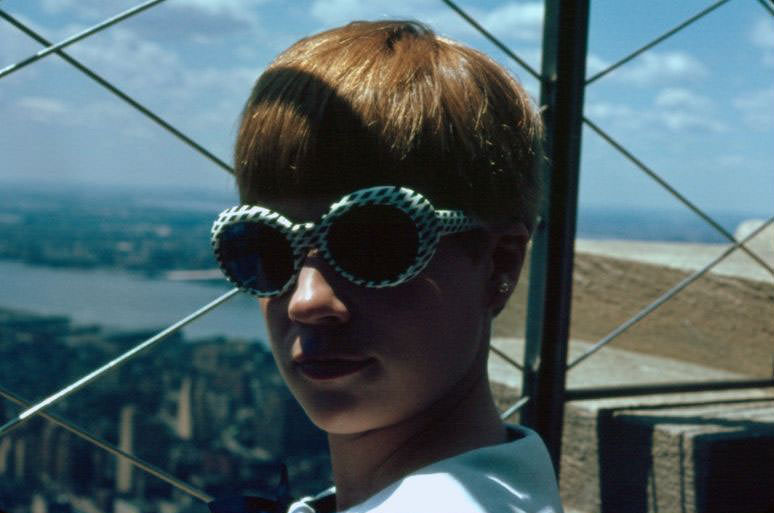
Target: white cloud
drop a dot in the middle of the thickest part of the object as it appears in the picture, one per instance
(91, 114)
(732, 161)
(607, 110)
(198, 20)
(660, 67)
(756, 108)
(201, 21)
(683, 120)
(132, 61)
(762, 36)
(199, 98)
(673, 109)
(42, 109)
(618, 116)
(114, 117)
(80, 8)
(679, 98)
(117, 51)
(509, 21)
(337, 12)
(102, 8)
(222, 80)
(762, 33)
(236, 7)
(680, 109)
(595, 64)
(516, 20)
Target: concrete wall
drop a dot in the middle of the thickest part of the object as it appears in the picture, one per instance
(687, 453)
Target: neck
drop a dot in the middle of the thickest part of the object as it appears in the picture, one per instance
(367, 462)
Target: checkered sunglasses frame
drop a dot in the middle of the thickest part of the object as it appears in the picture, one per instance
(430, 225)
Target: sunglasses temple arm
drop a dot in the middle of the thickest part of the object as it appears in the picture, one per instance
(76, 385)
(455, 221)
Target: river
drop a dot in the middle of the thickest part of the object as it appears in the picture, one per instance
(122, 300)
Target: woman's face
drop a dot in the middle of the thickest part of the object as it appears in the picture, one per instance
(360, 358)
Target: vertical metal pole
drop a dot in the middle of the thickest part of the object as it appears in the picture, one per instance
(550, 288)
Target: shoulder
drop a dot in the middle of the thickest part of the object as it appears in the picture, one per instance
(516, 476)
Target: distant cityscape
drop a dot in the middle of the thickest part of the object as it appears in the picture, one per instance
(213, 413)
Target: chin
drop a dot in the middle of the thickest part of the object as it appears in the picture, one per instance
(343, 423)
(351, 421)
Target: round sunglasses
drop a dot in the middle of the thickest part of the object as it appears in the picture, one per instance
(375, 237)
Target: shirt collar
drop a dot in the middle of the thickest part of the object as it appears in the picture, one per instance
(324, 502)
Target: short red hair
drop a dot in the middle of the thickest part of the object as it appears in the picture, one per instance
(390, 102)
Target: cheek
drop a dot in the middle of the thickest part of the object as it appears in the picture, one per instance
(443, 350)
(433, 350)
(452, 329)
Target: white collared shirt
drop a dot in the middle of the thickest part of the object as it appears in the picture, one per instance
(513, 477)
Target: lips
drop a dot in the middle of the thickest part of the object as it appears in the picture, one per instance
(326, 369)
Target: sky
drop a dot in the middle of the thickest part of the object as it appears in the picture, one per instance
(698, 108)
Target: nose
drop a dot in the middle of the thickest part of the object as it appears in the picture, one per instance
(314, 301)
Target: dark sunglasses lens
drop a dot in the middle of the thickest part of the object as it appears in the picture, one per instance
(374, 242)
(256, 256)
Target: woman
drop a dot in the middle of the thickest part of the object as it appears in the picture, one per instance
(389, 186)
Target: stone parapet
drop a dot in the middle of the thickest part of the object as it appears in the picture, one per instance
(701, 452)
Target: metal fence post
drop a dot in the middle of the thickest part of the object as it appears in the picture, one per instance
(550, 288)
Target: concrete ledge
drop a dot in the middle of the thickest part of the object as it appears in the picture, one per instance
(686, 256)
(697, 452)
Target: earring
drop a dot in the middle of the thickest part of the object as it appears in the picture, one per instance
(504, 287)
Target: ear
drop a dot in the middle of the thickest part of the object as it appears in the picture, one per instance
(507, 257)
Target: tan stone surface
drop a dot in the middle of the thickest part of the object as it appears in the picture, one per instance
(718, 321)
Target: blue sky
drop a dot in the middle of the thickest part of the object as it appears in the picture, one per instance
(698, 109)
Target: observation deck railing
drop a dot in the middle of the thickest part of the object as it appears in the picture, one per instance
(563, 81)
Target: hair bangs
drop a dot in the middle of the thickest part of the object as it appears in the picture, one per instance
(390, 103)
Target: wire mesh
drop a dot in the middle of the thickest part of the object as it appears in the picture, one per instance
(633, 55)
(78, 37)
(667, 295)
(118, 92)
(58, 49)
(674, 192)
